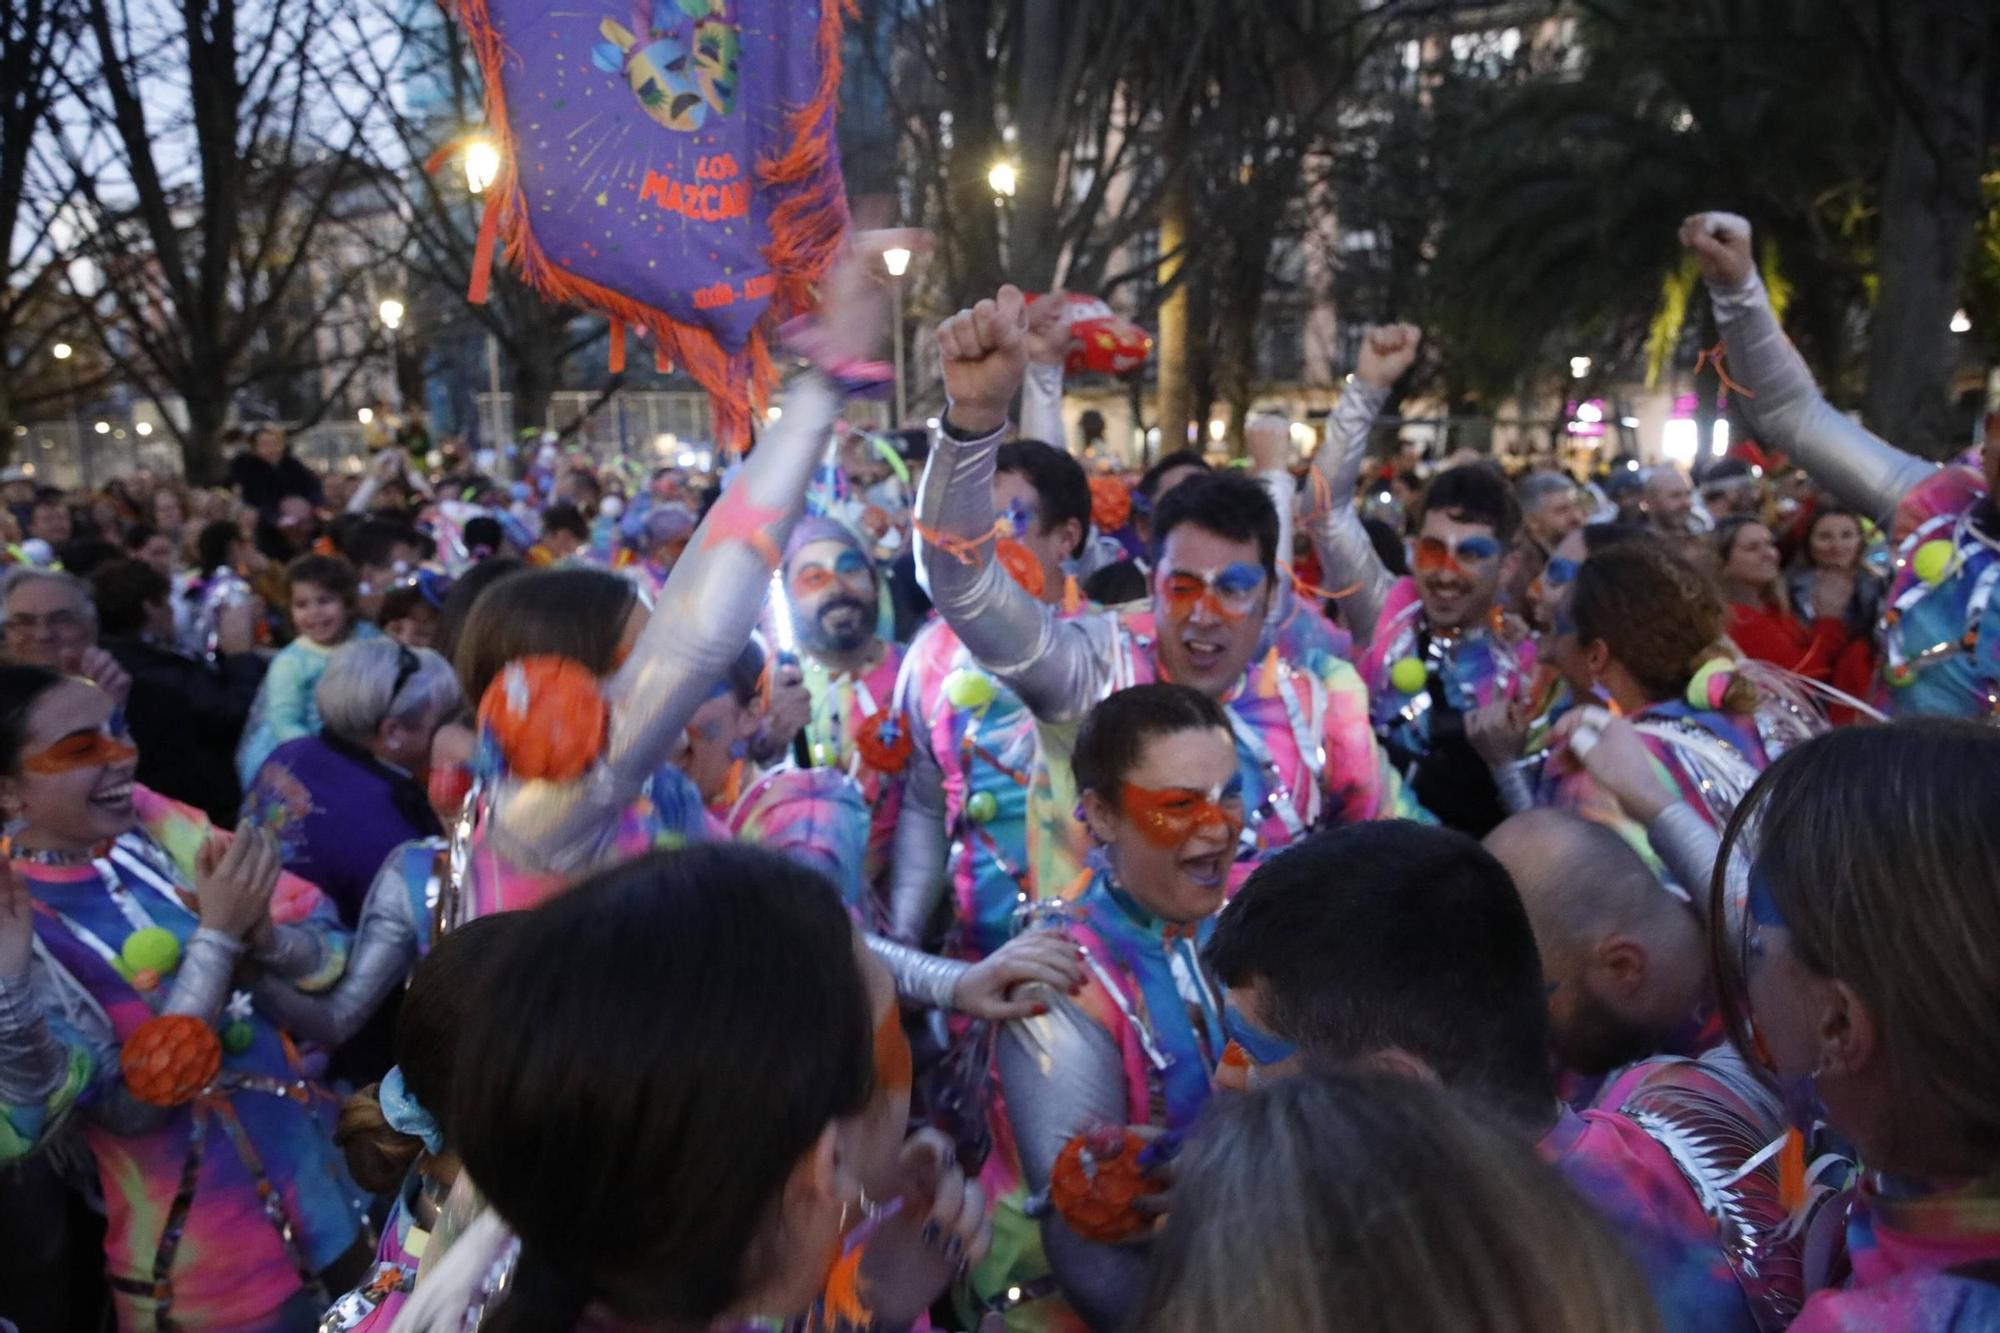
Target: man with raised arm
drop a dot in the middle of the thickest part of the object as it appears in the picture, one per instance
(1303, 742)
(1437, 649)
(1941, 626)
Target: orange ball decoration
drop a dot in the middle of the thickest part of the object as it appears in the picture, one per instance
(884, 756)
(547, 716)
(170, 1059)
(1021, 563)
(1110, 503)
(1094, 1193)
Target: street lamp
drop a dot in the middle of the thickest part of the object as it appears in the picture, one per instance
(1961, 322)
(1579, 367)
(897, 260)
(63, 352)
(391, 312)
(481, 160)
(1002, 177)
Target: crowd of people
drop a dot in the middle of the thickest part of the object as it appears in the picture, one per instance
(942, 881)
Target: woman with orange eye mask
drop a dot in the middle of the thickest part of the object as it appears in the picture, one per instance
(124, 921)
(1103, 1084)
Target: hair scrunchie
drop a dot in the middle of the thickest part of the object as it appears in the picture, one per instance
(405, 1114)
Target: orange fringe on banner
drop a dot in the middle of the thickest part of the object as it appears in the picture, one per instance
(808, 221)
(615, 362)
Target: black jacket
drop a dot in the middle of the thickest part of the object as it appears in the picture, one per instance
(186, 716)
(262, 484)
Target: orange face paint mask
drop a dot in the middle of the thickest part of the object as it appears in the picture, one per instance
(1169, 816)
(89, 749)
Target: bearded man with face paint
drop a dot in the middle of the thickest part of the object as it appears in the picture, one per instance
(1436, 647)
(834, 599)
(1303, 744)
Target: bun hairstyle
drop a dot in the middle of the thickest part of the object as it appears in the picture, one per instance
(428, 1028)
(1661, 619)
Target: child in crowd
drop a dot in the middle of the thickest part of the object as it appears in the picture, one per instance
(321, 592)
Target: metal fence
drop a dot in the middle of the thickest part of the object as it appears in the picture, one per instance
(651, 426)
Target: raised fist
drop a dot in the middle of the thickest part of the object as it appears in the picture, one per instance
(1387, 352)
(1721, 245)
(984, 355)
(1267, 437)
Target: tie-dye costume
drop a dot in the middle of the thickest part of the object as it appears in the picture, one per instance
(373, 1306)
(1656, 1162)
(286, 708)
(1421, 682)
(1924, 1261)
(220, 1209)
(1139, 1046)
(1303, 739)
(1940, 627)
(842, 705)
(817, 816)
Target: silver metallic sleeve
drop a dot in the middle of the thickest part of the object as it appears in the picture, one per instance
(922, 848)
(1051, 664)
(294, 952)
(921, 978)
(201, 986)
(1863, 470)
(1347, 557)
(33, 1061)
(1062, 1074)
(1688, 844)
(1278, 484)
(1516, 795)
(384, 951)
(703, 619)
(1041, 405)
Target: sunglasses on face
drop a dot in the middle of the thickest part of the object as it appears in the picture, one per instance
(1260, 1046)
(1230, 593)
(1168, 816)
(851, 568)
(1464, 556)
(83, 749)
(1023, 517)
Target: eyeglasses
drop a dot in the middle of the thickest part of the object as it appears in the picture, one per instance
(407, 665)
(1463, 556)
(83, 749)
(850, 568)
(1169, 816)
(57, 624)
(1230, 593)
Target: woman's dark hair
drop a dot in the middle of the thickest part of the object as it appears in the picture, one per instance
(20, 686)
(745, 674)
(644, 1064)
(1348, 1203)
(122, 591)
(1474, 493)
(1230, 505)
(1115, 584)
(1116, 732)
(1060, 486)
(84, 556)
(562, 516)
(428, 1025)
(138, 535)
(213, 544)
(576, 613)
(464, 592)
(323, 571)
(1821, 515)
(1388, 544)
(484, 533)
(1878, 847)
(1603, 536)
(1659, 616)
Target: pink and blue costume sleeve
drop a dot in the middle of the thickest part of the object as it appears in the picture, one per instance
(1924, 1260)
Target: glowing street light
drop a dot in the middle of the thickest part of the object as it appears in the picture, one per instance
(481, 159)
(365, 415)
(1002, 177)
(1579, 366)
(391, 311)
(62, 351)
(102, 428)
(897, 260)
(1961, 322)
(144, 428)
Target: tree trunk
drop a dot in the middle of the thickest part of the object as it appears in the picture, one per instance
(1930, 205)
(201, 446)
(1175, 392)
